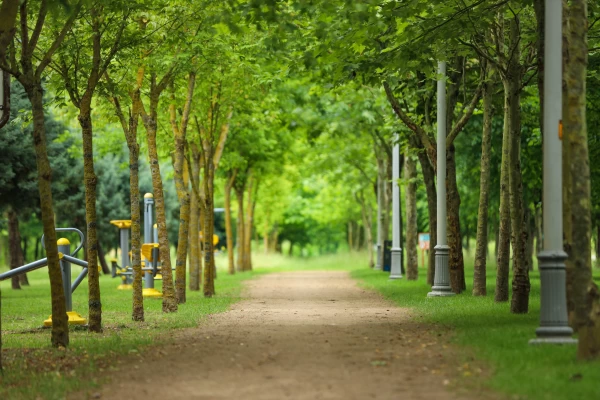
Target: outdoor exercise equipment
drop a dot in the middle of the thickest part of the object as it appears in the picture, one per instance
(66, 259)
(150, 252)
(124, 269)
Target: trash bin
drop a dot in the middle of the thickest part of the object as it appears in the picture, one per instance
(387, 255)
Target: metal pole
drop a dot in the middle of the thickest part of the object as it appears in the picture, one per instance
(124, 235)
(554, 326)
(64, 247)
(24, 269)
(155, 233)
(441, 284)
(148, 234)
(396, 268)
(379, 263)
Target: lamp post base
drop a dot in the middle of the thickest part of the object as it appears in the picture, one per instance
(441, 286)
(554, 325)
(378, 262)
(396, 268)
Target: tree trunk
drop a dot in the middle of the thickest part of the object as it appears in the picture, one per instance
(479, 277)
(412, 255)
(91, 181)
(169, 303)
(349, 235)
(194, 224)
(530, 223)
(181, 185)
(208, 227)
(266, 236)
(228, 228)
(130, 128)
(456, 260)
(519, 231)
(14, 245)
(429, 178)
(503, 242)
(248, 219)
(23, 277)
(137, 313)
(239, 192)
(102, 258)
(60, 327)
(567, 189)
(367, 215)
(582, 306)
(387, 201)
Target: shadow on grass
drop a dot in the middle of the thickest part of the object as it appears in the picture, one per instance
(488, 331)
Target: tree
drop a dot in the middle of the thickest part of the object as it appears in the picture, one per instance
(76, 72)
(479, 276)
(34, 57)
(179, 134)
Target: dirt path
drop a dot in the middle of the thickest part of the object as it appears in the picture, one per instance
(299, 335)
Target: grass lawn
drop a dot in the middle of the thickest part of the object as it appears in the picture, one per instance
(485, 330)
(490, 333)
(32, 370)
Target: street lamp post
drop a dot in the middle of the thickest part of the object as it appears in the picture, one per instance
(554, 327)
(396, 267)
(441, 284)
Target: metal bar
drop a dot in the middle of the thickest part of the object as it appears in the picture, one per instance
(79, 279)
(24, 269)
(76, 261)
(81, 238)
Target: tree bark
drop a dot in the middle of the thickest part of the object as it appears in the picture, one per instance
(367, 216)
(102, 258)
(519, 231)
(429, 179)
(248, 218)
(228, 228)
(130, 128)
(91, 181)
(456, 260)
(14, 245)
(169, 303)
(567, 192)
(194, 225)
(208, 230)
(60, 327)
(239, 192)
(479, 276)
(137, 313)
(582, 306)
(503, 243)
(412, 255)
(183, 195)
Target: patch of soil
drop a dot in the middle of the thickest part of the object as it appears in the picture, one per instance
(298, 335)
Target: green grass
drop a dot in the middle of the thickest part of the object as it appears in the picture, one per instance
(479, 327)
(488, 332)
(33, 370)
